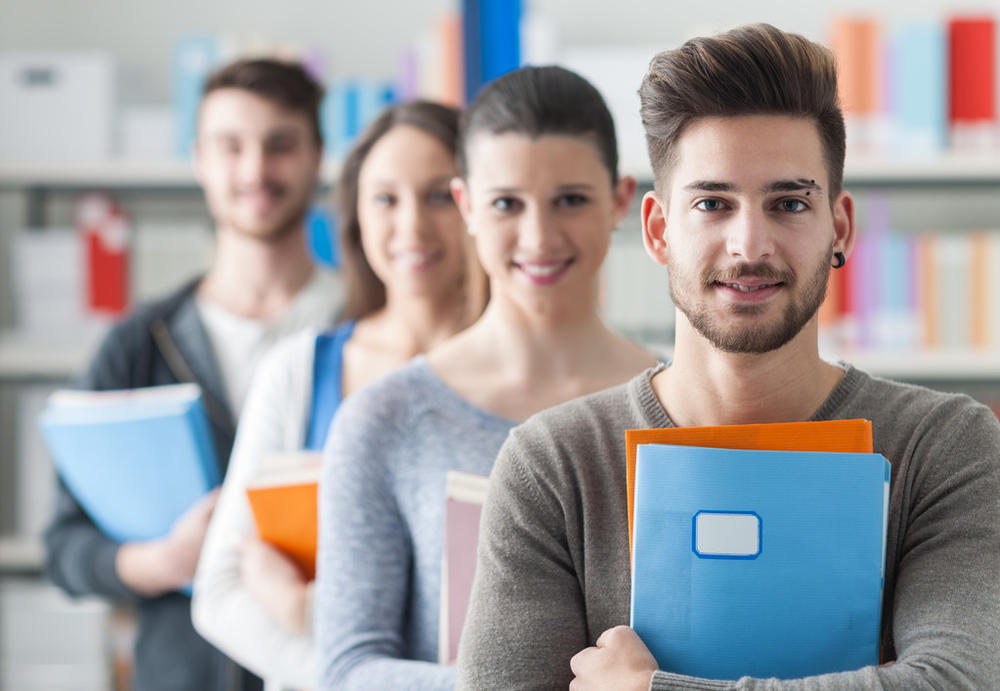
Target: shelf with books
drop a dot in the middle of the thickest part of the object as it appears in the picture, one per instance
(114, 173)
(862, 170)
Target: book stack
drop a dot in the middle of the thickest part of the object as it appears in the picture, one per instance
(757, 549)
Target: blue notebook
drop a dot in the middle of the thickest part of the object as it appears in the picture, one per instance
(758, 563)
(135, 460)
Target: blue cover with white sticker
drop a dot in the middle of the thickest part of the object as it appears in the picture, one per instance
(758, 563)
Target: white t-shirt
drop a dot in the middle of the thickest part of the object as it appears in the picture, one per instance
(240, 343)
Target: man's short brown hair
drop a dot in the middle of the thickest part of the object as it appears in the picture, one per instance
(751, 70)
(286, 84)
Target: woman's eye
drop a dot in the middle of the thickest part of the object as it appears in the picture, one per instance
(504, 204)
(710, 205)
(792, 205)
(440, 198)
(384, 199)
(572, 200)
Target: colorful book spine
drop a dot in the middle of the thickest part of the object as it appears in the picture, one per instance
(193, 59)
(918, 84)
(972, 74)
(856, 45)
(491, 33)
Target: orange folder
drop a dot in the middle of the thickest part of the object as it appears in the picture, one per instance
(838, 436)
(283, 500)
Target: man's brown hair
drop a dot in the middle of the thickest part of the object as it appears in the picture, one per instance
(751, 70)
(286, 84)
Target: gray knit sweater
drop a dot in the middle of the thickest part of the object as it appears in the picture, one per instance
(553, 561)
(382, 499)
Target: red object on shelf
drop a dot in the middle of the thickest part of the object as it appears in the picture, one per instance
(104, 230)
(972, 69)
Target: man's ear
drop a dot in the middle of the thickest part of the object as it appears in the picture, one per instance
(654, 227)
(460, 193)
(844, 230)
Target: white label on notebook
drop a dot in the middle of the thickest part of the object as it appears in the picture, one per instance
(727, 535)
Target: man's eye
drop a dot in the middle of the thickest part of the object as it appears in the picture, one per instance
(792, 205)
(504, 204)
(710, 205)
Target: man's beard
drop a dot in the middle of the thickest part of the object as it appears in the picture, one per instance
(287, 223)
(758, 338)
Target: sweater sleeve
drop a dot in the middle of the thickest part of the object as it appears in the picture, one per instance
(79, 558)
(526, 597)
(946, 611)
(224, 612)
(365, 552)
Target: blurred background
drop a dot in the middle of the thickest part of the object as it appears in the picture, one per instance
(97, 107)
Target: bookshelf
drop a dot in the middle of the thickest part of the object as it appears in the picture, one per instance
(114, 174)
(125, 174)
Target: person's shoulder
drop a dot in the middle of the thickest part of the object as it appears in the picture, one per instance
(885, 397)
(133, 334)
(291, 351)
(902, 412)
(625, 404)
(394, 398)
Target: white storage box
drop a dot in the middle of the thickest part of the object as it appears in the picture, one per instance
(56, 106)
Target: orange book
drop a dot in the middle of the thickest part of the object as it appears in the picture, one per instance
(449, 33)
(979, 291)
(855, 42)
(837, 436)
(283, 500)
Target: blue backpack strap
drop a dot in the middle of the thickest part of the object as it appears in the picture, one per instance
(328, 365)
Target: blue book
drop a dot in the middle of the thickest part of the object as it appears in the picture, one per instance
(194, 58)
(135, 460)
(918, 83)
(758, 563)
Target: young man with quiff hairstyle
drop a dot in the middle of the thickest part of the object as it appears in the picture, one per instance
(747, 144)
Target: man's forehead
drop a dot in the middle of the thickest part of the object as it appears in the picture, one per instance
(237, 110)
(749, 151)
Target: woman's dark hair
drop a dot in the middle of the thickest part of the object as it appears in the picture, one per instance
(365, 290)
(538, 101)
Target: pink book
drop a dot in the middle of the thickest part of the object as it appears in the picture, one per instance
(464, 497)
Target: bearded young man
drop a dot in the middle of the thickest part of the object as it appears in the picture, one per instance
(257, 158)
(747, 145)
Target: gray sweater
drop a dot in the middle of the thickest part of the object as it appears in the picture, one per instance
(382, 498)
(553, 568)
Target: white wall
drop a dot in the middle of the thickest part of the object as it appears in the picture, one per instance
(365, 37)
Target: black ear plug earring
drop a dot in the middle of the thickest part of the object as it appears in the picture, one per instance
(839, 259)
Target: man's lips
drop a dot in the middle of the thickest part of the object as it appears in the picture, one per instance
(744, 290)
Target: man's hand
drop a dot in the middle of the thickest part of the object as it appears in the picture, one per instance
(166, 564)
(620, 660)
(276, 582)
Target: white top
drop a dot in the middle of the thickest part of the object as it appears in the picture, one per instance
(241, 343)
(274, 419)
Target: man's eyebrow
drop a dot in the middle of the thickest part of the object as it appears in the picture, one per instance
(792, 186)
(710, 186)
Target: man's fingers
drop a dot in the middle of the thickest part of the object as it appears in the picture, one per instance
(611, 635)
